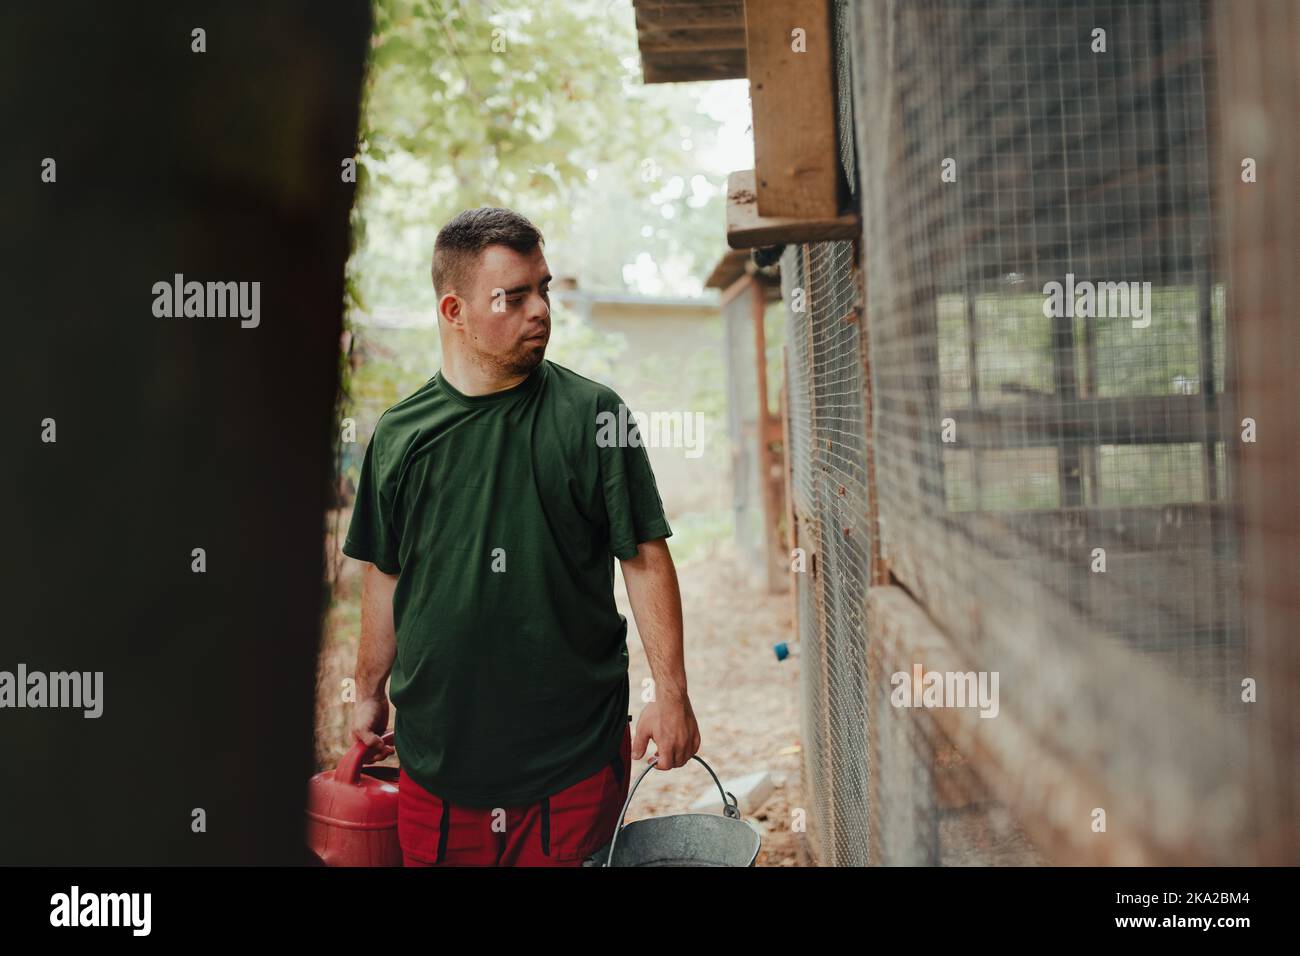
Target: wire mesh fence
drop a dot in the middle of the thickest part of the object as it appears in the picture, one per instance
(1039, 315)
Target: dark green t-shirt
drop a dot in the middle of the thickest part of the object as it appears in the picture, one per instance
(501, 515)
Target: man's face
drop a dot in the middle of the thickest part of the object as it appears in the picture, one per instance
(507, 311)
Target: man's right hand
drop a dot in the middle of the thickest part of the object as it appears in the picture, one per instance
(369, 720)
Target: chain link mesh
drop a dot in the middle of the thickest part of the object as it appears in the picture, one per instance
(1054, 492)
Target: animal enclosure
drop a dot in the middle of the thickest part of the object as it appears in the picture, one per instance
(1019, 445)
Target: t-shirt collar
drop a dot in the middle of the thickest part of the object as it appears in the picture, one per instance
(491, 398)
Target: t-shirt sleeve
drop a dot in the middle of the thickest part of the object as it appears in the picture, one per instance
(370, 535)
(632, 503)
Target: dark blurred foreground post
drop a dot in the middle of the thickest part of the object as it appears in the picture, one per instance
(1261, 91)
(173, 433)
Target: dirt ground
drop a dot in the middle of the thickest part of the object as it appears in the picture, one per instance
(746, 702)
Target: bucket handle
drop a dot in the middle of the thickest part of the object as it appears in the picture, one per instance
(349, 768)
(730, 809)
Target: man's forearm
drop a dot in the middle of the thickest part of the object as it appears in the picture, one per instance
(656, 602)
(378, 647)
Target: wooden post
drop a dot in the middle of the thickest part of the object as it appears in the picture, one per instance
(171, 162)
(1261, 96)
(769, 477)
(788, 47)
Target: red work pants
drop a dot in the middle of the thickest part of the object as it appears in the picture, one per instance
(560, 830)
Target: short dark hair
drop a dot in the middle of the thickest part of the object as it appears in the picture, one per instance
(461, 241)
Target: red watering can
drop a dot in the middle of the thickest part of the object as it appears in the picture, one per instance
(352, 812)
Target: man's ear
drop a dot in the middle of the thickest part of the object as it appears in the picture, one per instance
(449, 308)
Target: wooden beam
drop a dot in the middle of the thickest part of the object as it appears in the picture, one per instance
(1171, 527)
(769, 475)
(698, 59)
(787, 493)
(729, 268)
(692, 67)
(747, 229)
(703, 22)
(791, 81)
(879, 572)
(664, 29)
(739, 285)
(702, 38)
(1155, 554)
(1051, 793)
(786, 457)
(686, 9)
(1127, 420)
(1261, 95)
(654, 15)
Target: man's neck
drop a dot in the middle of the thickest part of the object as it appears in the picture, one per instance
(471, 378)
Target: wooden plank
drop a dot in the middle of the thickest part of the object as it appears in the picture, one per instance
(1021, 628)
(879, 573)
(1163, 572)
(796, 153)
(1160, 602)
(747, 229)
(697, 38)
(901, 636)
(1261, 97)
(1164, 527)
(696, 59)
(786, 459)
(729, 268)
(1051, 795)
(739, 285)
(1128, 420)
(1144, 600)
(688, 12)
(770, 475)
(702, 20)
(691, 67)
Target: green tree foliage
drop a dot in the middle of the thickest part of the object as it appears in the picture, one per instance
(538, 107)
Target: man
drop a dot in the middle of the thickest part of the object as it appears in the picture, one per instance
(490, 509)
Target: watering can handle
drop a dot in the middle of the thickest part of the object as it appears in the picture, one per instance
(729, 807)
(349, 768)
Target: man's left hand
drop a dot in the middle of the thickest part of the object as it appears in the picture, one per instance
(670, 723)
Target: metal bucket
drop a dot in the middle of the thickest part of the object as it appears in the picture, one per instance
(682, 839)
